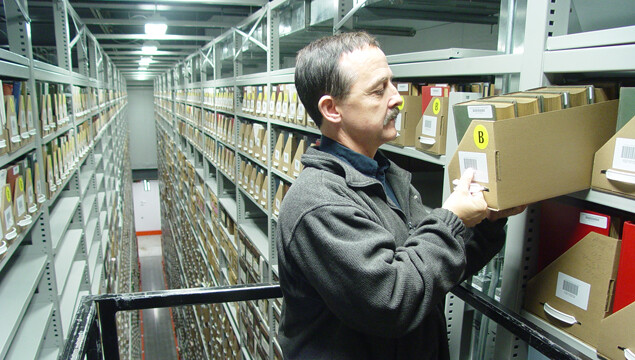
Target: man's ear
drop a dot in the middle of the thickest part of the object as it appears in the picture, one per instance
(328, 109)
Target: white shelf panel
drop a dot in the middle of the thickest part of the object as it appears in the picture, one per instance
(492, 65)
(599, 59)
(102, 219)
(49, 354)
(61, 216)
(16, 290)
(254, 232)
(67, 302)
(599, 197)
(91, 229)
(96, 280)
(65, 256)
(31, 333)
(87, 207)
(92, 258)
(100, 200)
(99, 177)
(615, 36)
(229, 204)
(84, 180)
(442, 54)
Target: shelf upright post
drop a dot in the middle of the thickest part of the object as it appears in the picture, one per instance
(343, 9)
(542, 19)
(62, 39)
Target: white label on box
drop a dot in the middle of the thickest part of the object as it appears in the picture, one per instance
(624, 154)
(479, 112)
(573, 290)
(286, 157)
(402, 87)
(476, 161)
(429, 127)
(297, 165)
(435, 91)
(20, 204)
(398, 122)
(598, 221)
(8, 217)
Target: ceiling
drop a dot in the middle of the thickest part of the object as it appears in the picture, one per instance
(119, 25)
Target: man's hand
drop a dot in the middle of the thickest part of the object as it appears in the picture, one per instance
(470, 208)
(495, 215)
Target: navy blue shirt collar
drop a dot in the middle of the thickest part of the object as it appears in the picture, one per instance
(375, 168)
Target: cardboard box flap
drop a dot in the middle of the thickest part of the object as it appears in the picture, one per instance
(614, 163)
(432, 127)
(521, 160)
(579, 285)
(616, 334)
(479, 109)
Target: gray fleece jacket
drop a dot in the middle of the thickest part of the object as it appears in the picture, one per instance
(362, 279)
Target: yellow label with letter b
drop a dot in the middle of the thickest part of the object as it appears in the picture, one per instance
(436, 106)
(481, 138)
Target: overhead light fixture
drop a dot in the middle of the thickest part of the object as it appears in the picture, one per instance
(156, 25)
(145, 61)
(150, 47)
(143, 67)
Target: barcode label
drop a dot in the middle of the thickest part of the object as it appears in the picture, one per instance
(624, 154)
(297, 165)
(573, 290)
(480, 112)
(285, 157)
(402, 87)
(594, 220)
(476, 161)
(429, 127)
(436, 91)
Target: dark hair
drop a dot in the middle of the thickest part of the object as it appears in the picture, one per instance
(317, 70)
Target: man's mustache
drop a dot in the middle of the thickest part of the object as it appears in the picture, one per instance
(392, 115)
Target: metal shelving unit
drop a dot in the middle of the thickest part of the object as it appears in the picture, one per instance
(532, 49)
(45, 270)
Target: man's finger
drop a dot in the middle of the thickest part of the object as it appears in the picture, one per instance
(466, 179)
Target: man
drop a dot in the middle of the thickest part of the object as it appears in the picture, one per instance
(364, 269)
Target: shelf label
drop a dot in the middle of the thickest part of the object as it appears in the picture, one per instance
(594, 220)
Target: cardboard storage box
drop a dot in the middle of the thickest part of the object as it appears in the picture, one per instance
(575, 292)
(432, 129)
(407, 120)
(536, 157)
(614, 164)
(617, 337)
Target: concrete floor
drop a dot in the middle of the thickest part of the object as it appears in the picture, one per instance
(158, 334)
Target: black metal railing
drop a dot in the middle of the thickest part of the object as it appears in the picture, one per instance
(93, 334)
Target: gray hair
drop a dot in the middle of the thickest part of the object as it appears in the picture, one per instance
(317, 70)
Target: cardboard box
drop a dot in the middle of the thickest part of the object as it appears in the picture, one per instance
(573, 95)
(276, 159)
(277, 201)
(6, 206)
(431, 130)
(428, 92)
(523, 106)
(546, 101)
(284, 112)
(479, 109)
(523, 160)
(614, 163)
(575, 292)
(287, 155)
(264, 199)
(407, 120)
(264, 145)
(300, 113)
(616, 334)
(258, 185)
(296, 164)
(293, 103)
(407, 89)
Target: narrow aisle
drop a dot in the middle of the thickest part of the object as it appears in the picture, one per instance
(157, 324)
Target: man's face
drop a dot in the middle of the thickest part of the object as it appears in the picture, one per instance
(369, 111)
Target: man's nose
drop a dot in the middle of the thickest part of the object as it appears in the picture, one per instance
(395, 98)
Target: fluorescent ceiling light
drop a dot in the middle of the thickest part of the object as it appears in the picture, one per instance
(145, 61)
(150, 47)
(156, 25)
